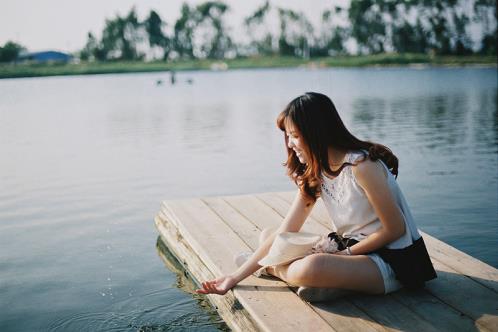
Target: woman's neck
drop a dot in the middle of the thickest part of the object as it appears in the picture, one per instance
(336, 158)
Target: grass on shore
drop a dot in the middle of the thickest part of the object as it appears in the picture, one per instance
(91, 68)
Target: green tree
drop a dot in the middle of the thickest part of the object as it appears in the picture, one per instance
(296, 33)
(10, 51)
(255, 25)
(154, 28)
(215, 42)
(184, 32)
(485, 13)
(440, 26)
(332, 36)
(463, 44)
(440, 39)
(121, 36)
(89, 51)
(408, 38)
(446, 25)
(367, 25)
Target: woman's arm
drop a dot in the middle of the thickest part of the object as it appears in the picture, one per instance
(372, 177)
(293, 221)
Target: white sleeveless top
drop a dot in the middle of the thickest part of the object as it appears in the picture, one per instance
(351, 212)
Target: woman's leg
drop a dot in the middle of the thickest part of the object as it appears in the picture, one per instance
(358, 273)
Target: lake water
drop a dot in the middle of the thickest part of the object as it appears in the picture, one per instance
(86, 161)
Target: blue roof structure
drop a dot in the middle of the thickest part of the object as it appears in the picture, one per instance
(46, 56)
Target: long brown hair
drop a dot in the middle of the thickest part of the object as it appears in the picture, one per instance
(321, 127)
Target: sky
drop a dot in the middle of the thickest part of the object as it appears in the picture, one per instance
(64, 24)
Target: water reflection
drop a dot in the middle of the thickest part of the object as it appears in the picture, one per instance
(370, 114)
(485, 129)
(441, 122)
(204, 126)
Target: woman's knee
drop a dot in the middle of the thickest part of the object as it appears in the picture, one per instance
(326, 270)
(306, 271)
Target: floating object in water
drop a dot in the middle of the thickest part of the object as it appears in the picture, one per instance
(217, 66)
(172, 77)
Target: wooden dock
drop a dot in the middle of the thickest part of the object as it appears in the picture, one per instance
(205, 234)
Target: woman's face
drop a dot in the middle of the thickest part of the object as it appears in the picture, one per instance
(295, 142)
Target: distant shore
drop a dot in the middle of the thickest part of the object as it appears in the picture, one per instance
(115, 67)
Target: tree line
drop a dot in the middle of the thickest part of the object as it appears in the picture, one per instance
(10, 51)
(372, 26)
(366, 26)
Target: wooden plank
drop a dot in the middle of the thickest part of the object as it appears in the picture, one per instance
(273, 309)
(346, 317)
(254, 210)
(388, 312)
(243, 227)
(438, 313)
(465, 295)
(465, 264)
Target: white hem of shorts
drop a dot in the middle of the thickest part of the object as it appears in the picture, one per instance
(391, 284)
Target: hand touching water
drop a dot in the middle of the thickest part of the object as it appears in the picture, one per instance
(218, 286)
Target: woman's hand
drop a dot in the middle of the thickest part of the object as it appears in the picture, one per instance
(342, 253)
(218, 286)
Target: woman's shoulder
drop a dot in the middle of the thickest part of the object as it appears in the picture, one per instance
(356, 156)
(367, 170)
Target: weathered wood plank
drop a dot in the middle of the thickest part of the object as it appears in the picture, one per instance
(465, 295)
(243, 227)
(273, 309)
(346, 317)
(465, 264)
(254, 210)
(438, 313)
(390, 313)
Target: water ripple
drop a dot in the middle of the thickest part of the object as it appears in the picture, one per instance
(159, 318)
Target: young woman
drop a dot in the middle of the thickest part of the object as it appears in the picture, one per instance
(370, 219)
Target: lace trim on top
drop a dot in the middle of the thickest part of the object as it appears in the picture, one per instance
(334, 188)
